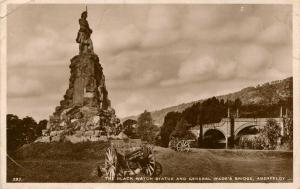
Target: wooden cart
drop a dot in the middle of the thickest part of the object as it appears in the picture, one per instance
(180, 145)
(129, 157)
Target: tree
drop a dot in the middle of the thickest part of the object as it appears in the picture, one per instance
(271, 134)
(211, 111)
(129, 122)
(22, 131)
(168, 127)
(29, 125)
(129, 128)
(14, 134)
(182, 130)
(145, 128)
(237, 103)
(288, 131)
(41, 126)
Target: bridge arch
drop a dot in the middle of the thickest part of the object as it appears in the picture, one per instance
(244, 126)
(246, 129)
(214, 138)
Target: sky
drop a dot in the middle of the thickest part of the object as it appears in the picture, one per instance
(153, 56)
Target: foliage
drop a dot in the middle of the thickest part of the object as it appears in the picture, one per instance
(211, 110)
(271, 134)
(288, 131)
(182, 130)
(146, 130)
(129, 122)
(22, 131)
(168, 127)
(129, 128)
(41, 126)
(252, 142)
(264, 111)
(237, 103)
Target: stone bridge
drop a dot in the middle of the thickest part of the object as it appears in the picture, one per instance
(229, 129)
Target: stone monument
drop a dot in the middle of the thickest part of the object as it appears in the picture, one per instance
(85, 113)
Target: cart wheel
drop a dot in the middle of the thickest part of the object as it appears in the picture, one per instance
(110, 163)
(158, 169)
(150, 165)
(183, 146)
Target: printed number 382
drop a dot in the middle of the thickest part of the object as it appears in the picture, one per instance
(17, 179)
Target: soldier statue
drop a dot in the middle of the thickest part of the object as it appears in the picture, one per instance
(84, 35)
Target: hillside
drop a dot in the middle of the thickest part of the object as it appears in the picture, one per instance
(267, 93)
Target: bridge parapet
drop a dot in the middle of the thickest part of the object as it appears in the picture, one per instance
(214, 125)
(256, 119)
(246, 119)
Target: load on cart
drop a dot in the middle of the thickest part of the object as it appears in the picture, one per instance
(130, 157)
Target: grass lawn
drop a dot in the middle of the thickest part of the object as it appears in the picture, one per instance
(78, 162)
(226, 163)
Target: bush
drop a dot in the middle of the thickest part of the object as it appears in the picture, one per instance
(146, 130)
(170, 122)
(287, 138)
(271, 134)
(181, 130)
(252, 142)
(22, 131)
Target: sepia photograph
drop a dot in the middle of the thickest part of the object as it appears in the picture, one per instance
(148, 93)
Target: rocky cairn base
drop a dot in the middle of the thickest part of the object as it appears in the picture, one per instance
(85, 113)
